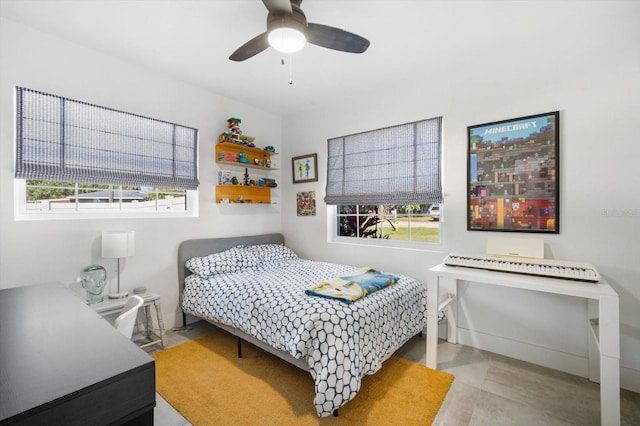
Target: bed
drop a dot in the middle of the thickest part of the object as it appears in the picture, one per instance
(254, 287)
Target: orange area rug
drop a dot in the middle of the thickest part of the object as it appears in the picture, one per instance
(205, 381)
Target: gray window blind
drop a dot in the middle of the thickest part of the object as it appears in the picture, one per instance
(65, 140)
(394, 165)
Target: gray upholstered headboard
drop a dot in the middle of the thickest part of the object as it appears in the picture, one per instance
(206, 246)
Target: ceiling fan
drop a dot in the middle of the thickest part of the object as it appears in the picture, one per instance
(288, 31)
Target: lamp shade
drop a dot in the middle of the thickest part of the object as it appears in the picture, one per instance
(118, 244)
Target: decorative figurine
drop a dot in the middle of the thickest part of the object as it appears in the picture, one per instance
(234, 128)
(94, 280)
(242, 158)
(234, 134)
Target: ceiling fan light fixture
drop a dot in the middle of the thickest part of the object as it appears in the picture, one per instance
(288, 31)
(287, 40)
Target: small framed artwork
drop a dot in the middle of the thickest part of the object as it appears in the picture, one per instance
(306, 202)
(513, 175)
(224, 177)
(305, 168)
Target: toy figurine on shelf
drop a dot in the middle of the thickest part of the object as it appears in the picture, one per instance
(234, 134)
(242, 158)
(247, 141)
(233, 124)
(246, 177)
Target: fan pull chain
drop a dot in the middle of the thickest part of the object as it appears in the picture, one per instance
(290, 68)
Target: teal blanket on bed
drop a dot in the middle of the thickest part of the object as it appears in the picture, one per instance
(349, 288)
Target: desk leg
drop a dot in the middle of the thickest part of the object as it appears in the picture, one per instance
(594, 340)
(609, 391)
(432, 320)
(609, 327)
(451, 289)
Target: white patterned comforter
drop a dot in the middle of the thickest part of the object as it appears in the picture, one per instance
(341, 342)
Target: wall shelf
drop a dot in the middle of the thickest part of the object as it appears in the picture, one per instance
(243, 193)
(251, 166)
(252, 155)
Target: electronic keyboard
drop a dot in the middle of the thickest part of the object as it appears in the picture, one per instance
(530, 266)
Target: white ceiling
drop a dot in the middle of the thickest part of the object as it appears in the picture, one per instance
(192, 39)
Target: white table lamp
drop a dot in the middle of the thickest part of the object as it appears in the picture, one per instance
(118, 244)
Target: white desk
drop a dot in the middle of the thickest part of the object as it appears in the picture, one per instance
(603, 311)
(154, 335)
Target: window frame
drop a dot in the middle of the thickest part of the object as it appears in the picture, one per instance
(21, 213)
(333, 237)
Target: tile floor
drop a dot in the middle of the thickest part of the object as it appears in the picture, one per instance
(488, 389)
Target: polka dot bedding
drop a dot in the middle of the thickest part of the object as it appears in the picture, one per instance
(340, 342)
(239, 258)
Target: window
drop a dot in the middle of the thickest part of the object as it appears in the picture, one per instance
(70, 197)
(416, 223)
(83, 160)
(386, 183)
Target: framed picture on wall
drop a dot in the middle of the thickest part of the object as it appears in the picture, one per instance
(305, 168)
(306, 203)
(513, 175)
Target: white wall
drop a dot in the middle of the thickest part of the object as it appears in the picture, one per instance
(35, 252)
(597, 94)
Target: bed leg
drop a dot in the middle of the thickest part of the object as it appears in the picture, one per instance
(335, 413)
(239, 347)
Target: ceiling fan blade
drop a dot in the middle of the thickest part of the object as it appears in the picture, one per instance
(250, 48)
(336, 39)
(278, 6)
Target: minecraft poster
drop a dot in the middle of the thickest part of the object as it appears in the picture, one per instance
(513, 175)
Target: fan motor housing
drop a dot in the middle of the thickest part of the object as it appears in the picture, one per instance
(295, 20)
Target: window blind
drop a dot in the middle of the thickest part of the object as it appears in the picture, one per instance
(394, 165)
(61, 139)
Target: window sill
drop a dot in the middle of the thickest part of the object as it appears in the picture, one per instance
(20, 216)
(389, 244)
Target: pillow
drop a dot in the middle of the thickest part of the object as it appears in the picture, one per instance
(272, 254)
(235, 259)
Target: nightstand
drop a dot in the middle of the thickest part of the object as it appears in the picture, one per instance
(152, 336)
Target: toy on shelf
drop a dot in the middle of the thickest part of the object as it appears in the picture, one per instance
(242, 158)
(228, 156)
(233, 124)
(271, 183)
(234, 134)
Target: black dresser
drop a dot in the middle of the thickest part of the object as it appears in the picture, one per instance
(62, 364)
